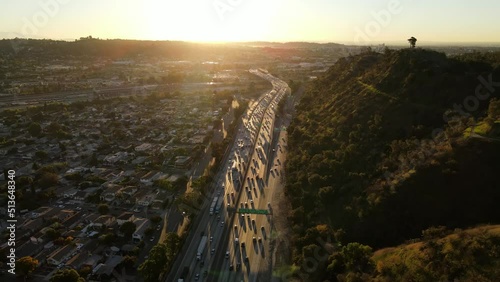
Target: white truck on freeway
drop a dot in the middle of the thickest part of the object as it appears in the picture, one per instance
(201, 247)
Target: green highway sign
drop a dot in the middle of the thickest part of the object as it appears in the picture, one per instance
(253, 211)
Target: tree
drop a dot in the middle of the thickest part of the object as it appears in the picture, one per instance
(173, 243)
(53, 128)
(48, 179)
(149, 231)
(128, 228)
(42, 155)
(412, 41)
(181, 182)
(164, 184)
(93, 160)
(103, 209)
(35, 129)
(107, 239)
(62, 146)
(24, 182)
(155, 219)
(85, 271)
(156, 263)
(52, 234)
(66, 275)
(494, 109)
(357, 257)
(353, 258)
(129, 261)
(26, 265)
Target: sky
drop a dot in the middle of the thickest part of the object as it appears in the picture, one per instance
(362, 22)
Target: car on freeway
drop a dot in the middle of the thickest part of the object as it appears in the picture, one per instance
(227, 254)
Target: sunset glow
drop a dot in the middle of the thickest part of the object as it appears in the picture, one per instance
(257, 20)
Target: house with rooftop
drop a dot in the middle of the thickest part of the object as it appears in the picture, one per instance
(182, 161)
(40, 211)
(80, 196)
(104, 220)
(150, 177)
(70, 193)
(110, 192)
(143, 147)
(106, 269)
(90, 218)
(61, 254)
(30, 226)
(93, 260)
(42, 255)
(141, 225)
(29, 248)
(64, 215)
(145, 198)
(78, 260)
(129, 191)
(124, 217)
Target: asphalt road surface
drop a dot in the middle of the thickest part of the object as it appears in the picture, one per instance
(243, 181)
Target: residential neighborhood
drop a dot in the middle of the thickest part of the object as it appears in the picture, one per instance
(85, 169)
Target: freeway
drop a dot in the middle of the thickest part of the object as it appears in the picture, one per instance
(22, 100)
(250, 253)
(254, 133)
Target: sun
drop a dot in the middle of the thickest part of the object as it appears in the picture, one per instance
(181, 20)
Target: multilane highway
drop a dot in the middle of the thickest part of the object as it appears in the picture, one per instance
(232, 253)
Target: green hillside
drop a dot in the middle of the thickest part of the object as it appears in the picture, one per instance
(467, 255)
(381, 149)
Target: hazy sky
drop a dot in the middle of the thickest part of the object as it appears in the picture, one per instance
(344, 21)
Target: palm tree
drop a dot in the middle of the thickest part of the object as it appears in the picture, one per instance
(412, 41)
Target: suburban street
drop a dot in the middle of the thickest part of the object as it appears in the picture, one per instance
(243, 182)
